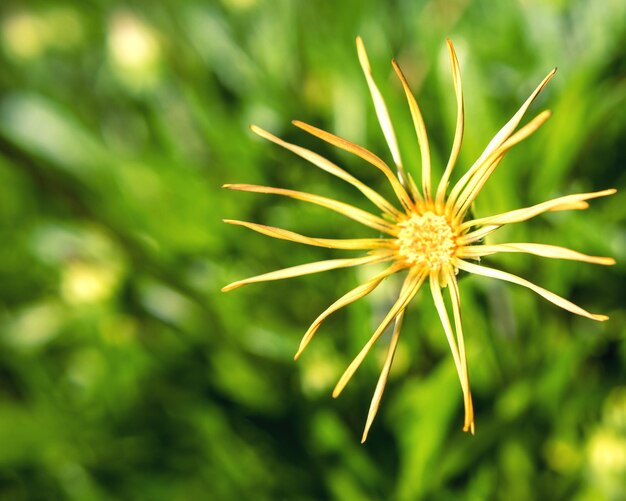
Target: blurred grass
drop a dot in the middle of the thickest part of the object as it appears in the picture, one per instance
(126, 374)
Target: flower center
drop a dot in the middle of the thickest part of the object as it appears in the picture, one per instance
(426, 240)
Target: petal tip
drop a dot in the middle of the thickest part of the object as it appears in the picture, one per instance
(362, 54)
(470, 428)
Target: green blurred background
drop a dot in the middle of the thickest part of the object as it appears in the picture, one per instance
(126, 374)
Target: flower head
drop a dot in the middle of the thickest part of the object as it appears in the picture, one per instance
(431, 237)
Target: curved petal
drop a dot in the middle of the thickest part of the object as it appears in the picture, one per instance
(363, 153)
(331, 168)
(482, 175)
(500, 137)
(455, 299)
(411, 286)
(566, 202)
(543, 250)
(309, 268)
(382, 379)
(461, 368)
(508, 277)
(348, 298)
(381, 109)
(458, 134)
(347, 210)
(420, 131)
(330, 243)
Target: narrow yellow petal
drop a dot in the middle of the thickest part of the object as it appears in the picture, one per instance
(331, 168)
(500, 137)
(347, 210)
(458, 134)
(508, 277)
(415, 192)
(411, 286)
(382, 379)
(543, 250)
(420, 131)
(381, 109)
(350, 297)
(518, 215)
(331, 243)
(476, 235)
(435, 288)
(483, 174)
(455, 299)
(309, 268)
(571, 206)
(363, 153)
(460, 207)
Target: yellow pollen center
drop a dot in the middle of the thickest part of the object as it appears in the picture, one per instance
(426, 240)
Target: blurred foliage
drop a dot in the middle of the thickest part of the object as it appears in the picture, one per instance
(126, 374)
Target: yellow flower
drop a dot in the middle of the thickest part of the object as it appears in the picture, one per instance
(431, 238)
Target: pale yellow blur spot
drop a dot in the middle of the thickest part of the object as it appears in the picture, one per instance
(607, 452)
(28, 35)
(84, 283)
(134, 50)
(33, 326)
(23, 35)
(240, 4)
